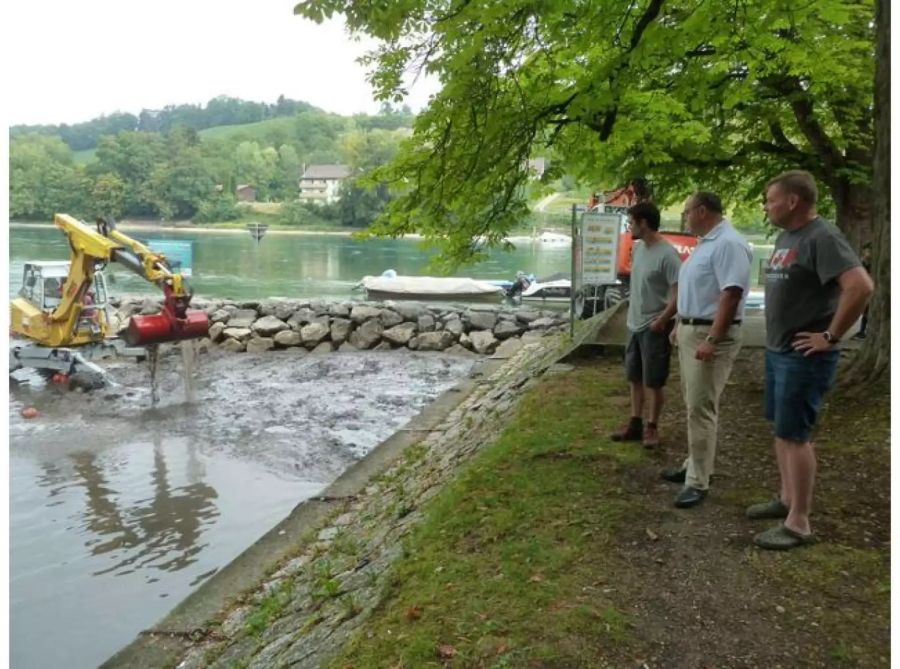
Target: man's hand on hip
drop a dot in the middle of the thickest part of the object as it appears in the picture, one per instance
(706, 351)
(809, 343)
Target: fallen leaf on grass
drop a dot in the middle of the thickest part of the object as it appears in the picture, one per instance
(537, 578)
(414, 613)
(650, 533)
(446, 652)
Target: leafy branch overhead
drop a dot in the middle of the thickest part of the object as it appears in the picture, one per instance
(718, 93)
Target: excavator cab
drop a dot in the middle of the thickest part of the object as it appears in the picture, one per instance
(42, 284)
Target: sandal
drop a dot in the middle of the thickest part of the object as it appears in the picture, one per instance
(781, 538)
(772, 509)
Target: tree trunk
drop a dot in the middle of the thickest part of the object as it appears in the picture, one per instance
(873, 361)
(854, 211)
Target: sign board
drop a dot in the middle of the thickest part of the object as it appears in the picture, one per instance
(178, 252)
(599, 248)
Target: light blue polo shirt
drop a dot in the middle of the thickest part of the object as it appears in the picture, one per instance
(722, 259)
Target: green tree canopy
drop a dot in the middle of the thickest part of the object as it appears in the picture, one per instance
(717, 94)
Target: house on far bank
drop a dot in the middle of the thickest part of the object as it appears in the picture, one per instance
(538, 166)
(245, 193)
(320, 183)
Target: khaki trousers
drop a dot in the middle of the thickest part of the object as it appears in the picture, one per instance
(702, 384)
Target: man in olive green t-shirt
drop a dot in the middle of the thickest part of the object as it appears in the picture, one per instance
(652, 303)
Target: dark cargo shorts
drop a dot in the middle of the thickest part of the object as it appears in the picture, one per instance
(795, 389)
(647, 358)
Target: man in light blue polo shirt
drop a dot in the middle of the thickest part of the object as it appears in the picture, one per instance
(712, 287)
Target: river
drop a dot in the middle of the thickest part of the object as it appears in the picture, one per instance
(233, 265)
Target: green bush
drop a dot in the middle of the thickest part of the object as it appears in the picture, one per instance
(222, 208)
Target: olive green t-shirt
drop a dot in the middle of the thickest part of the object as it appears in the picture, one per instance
(654, 270)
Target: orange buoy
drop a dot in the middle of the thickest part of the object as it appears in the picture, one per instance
(57, 378)
(29, 412)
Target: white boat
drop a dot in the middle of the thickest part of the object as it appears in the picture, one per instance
(394, 287)
(554, 239)
(555, 288)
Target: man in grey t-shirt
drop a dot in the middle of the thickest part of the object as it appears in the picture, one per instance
(816, 288)
(653, 291)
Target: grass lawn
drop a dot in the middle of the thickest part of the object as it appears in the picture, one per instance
(558, 548)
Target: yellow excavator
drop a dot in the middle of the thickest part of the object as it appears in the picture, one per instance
(59, 322)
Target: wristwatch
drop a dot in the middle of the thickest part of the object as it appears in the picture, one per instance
(830, 338)
(710, 339)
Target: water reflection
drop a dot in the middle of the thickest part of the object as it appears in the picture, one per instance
(161, 532)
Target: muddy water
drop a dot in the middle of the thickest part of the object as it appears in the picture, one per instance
(118, 510)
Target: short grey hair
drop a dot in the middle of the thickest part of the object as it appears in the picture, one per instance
(797, 182)
(710, 201)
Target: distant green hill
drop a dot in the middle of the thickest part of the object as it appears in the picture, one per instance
(84, 157)
(252, 131)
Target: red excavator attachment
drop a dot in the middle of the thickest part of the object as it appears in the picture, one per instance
(174, 323)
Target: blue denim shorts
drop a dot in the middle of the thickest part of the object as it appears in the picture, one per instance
(795, 389)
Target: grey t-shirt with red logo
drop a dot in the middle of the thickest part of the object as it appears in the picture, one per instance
(801, 281)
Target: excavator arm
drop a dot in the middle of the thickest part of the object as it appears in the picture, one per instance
(90, 250)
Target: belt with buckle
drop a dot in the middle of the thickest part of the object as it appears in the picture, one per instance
(702, 321)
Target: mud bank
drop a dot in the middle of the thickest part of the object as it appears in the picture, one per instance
(123, 509)
(293, 597)
(257, 326)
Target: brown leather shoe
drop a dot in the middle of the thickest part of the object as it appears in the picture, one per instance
(651, 436)
(631, 431)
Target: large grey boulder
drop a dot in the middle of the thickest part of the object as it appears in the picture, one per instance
(314, 333)
(284, 310)
(269, 325)
(288, 338)
(409, 310)
(149, 306)
(400, 334)
(527, 316)
(219, 316)
(215, 331)
(232, 345)
(324, 347)
(483, 341)
(260, 344)
(541, 323)
(426, 323)
(340, 329)
(455, 327)
(383, 346)
(362, 313)
(242, 318)
(457, 349)
(366, 335)
(267, 308)
(434, 341)
(347, 347)
(507, 329)
(341, 310)
(482, 320)
(390, 318)
(241, 334)
(301, 317)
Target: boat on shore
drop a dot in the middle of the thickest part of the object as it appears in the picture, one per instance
(391, 286)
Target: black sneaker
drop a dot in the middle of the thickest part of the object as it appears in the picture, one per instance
(674, 475)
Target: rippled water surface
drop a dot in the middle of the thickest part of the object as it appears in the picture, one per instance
(118, 510)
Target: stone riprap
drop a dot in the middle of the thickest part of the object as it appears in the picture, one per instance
(260, 325)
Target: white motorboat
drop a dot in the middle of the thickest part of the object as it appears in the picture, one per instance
(390, 286)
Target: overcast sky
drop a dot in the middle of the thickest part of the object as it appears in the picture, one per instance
(73, 61)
